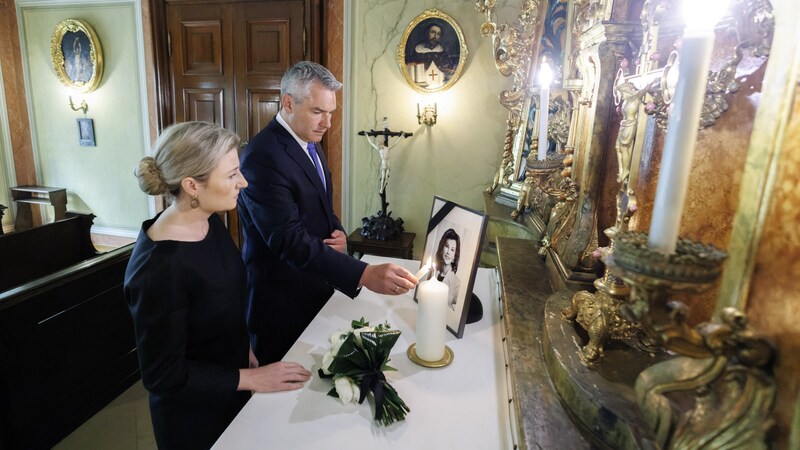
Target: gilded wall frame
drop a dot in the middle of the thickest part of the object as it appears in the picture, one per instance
(77, 56)
(432, 52)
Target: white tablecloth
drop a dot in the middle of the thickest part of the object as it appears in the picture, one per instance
(461, 406)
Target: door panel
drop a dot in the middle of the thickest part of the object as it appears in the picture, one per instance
(202, 49)
(204, 105)
(263, 106)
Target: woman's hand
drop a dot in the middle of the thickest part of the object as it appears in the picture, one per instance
(279, 376)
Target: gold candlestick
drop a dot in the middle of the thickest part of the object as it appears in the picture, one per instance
(723, 366)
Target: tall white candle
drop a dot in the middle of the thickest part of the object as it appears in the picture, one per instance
(684, 121)
(431, 319)
(545, 78)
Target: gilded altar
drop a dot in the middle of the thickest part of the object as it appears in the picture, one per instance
(641, 348)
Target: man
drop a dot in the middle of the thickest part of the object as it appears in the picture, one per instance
(430, 51)
(293, 241)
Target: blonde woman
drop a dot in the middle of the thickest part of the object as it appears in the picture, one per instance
(185, 285)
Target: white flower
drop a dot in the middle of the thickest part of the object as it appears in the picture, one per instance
(336, 340)
(347, 389)
(358, 332)
(327, 359)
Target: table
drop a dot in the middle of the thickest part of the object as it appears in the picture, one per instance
(461, 406)
(402, 247)
(25, 196)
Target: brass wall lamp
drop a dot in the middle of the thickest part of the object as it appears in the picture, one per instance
(427, 114)
(82, 107)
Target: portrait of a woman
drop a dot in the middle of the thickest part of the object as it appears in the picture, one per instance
(447, 255)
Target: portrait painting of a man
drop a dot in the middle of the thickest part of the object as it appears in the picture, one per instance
(433, 51)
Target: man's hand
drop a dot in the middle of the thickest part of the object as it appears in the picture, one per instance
(337, 241)
(389, 279)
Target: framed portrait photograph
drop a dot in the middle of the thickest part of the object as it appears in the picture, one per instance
(76, 55)
(432, 52)
(86, 132)
(453, 245)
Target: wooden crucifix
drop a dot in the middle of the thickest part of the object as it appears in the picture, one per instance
(379, 140)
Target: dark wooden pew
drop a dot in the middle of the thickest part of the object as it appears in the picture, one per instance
(67, 344)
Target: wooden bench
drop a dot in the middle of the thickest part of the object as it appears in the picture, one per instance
(67, 345)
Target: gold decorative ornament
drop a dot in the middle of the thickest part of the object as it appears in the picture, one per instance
(513, 46)
(432, 52)
(724, 367)
(76, 55)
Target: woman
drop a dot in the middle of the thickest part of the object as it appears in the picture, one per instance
(185, 286)
(447, 264)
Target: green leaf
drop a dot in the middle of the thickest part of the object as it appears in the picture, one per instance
(360, 323)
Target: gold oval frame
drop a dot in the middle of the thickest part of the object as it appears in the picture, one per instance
(434, 16)
(81, 32)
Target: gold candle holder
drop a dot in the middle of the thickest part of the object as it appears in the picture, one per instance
(722, 366)
(445, 361)
(539, 174)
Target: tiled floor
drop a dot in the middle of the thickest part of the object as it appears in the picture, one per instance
(122, 425)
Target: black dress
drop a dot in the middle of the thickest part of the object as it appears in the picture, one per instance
(188, 305)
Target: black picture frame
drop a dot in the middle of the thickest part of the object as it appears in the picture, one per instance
(86, 132)
(470, 227)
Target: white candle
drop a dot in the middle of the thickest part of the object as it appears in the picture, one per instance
(684, 121)
(431, 319)
(545, 78)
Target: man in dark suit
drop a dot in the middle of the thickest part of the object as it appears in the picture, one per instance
(293, 242)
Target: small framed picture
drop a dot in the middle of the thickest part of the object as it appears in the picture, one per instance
(453, 245)
(86, 132)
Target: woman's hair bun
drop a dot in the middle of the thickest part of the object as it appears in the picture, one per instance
(151, 180)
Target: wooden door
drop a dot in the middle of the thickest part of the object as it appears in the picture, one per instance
(227, 61)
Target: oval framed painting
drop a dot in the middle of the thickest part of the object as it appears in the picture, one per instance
(77, 55)
(432, 52)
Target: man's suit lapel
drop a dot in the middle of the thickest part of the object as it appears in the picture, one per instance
(300, 157)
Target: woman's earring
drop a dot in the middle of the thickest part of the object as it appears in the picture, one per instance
(195, 202)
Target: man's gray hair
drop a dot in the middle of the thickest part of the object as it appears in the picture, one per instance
(298, 79)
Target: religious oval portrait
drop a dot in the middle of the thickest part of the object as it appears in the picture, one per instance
(432, 52)
(76, 55)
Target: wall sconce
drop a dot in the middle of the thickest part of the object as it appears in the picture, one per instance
(83, 106)
(427, 115)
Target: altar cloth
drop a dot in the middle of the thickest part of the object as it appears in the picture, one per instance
(462, 406)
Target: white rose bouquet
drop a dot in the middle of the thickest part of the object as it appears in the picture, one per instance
(356, 362)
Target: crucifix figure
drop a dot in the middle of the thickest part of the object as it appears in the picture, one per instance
(379, 140)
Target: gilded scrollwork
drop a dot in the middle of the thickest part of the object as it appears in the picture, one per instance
(513, 46)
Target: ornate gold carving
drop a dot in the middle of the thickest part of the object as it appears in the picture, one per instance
(724, 366)
(513, 46)
(539, 175)
(558, 124)
(505, 173)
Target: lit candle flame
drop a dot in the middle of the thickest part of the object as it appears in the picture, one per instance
(423, 271)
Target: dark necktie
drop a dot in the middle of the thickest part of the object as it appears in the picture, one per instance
(312, 150)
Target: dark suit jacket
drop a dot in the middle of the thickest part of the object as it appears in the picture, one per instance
(285, 214)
